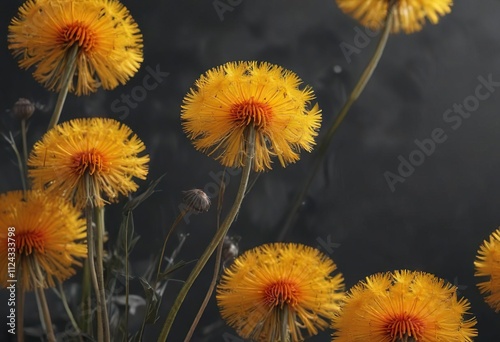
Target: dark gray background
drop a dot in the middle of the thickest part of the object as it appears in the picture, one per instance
(435, 221)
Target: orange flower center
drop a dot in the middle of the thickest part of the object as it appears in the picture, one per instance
(403, 326)
(90, 162)
(77, 33)
(280, 293)
(252, 112)
(27, 241)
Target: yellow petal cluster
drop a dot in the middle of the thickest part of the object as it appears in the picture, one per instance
(487, 266)
(280, 284)
(83, 159)
(403, 306)
(228, 100)
(107, 39)
(409, 15)
(41, 239)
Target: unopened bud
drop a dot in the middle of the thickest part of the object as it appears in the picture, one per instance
(196, 200)
(23, 109)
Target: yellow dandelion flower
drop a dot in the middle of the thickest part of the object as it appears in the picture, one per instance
(403, 306)
(488, 265)
(276, 285)
(108, 40)
(104, 151)
(39, 235)
(409, 15)
(235, 96)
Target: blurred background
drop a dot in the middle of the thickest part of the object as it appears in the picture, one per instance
(433, 219)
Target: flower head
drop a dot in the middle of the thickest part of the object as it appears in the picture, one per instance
(228, 100)
(42, 235)
(108, 42)
(83, 158)
(403, 306)
(409, 15)
(279, 284)
(488, 265)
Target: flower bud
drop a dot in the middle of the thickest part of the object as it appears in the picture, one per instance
(196, 200)
(23, 109)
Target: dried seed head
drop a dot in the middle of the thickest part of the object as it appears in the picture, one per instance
(196, 200)
(23, 109)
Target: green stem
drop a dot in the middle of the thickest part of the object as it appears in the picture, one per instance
(86, 307)
(91, 243)
(20, 309)
(127, 284)
(219, 236)
(43, 307)
(20, 162)
(162, 254)
(325, 142)
(66, 78)
(25, 147)
(99, 211)
(218, 257)
(68, 310)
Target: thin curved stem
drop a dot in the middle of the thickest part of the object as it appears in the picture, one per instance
(25, 147)
(162, 254)
(20, 309)
(325, 142)
(71, 317)
(66, 81)
(100, 271)
(91, 246)
(218, 257)
(219, 236)
(43, 306)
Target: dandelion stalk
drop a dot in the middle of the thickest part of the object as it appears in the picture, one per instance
(25, 147)
(43, 307)
(65, 83)
(71, 317)
(208, 295)
(99, 211)
(162, 254)
(49, 331)
(219, 235)
(20, 308)
(12, 143)
(127, 283)
(86, 307)
(91, 244)
(325, 142)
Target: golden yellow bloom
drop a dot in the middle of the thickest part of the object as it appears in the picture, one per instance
(409, 15)
(488, 265)
(276, 284)
(108, 40)
(103, 151)
(41, 239)
(403, 306)
(229, 99)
